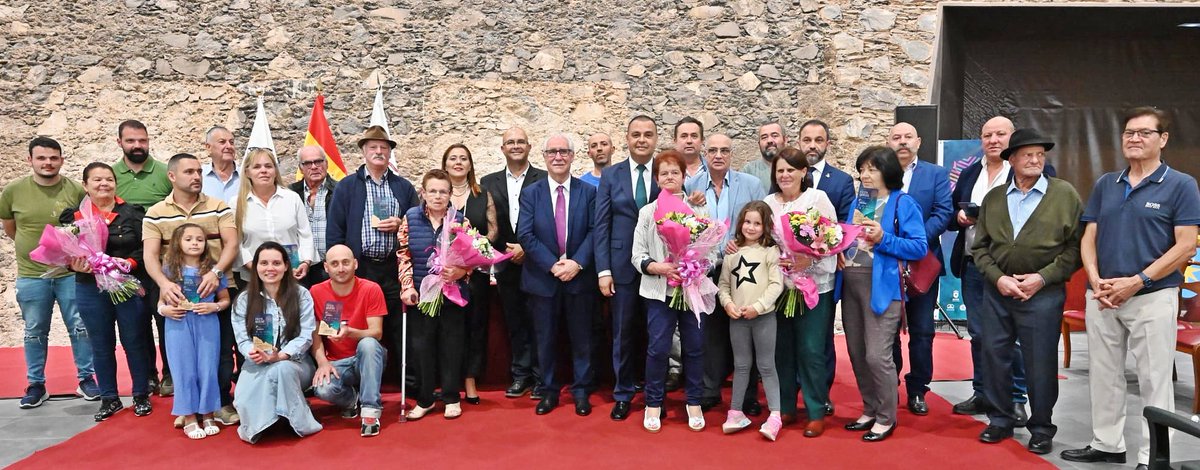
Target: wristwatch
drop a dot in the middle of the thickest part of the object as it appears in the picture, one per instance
(1146, 281)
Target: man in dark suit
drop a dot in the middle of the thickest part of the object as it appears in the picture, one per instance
(316, 190)
(929, 184)
(555, 228)
(624, 189)
(506, 186)
(839, 186)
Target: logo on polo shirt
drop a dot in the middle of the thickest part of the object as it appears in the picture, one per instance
(1152, 205)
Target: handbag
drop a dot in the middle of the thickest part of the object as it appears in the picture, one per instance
(917, 277)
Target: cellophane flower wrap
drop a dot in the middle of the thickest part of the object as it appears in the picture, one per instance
(814, 235)
(459, 245)
(87, 238)
(689, 239)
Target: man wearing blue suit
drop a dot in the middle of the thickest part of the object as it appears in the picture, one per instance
(624, 189)
(814, 142)
(555, 228)
(725, 193)
(930, 185)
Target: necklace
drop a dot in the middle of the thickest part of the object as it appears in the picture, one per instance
(460, 190)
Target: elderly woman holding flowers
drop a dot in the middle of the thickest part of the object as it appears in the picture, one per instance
(662, 277)
(801, 330)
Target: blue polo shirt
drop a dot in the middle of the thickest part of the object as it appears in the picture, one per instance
(1136, 225)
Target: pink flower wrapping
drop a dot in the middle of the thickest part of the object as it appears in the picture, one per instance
(813, 235)
(59, 245)
(459, 245)
(688, 240)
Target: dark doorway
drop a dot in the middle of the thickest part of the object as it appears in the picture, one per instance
(1070, 71)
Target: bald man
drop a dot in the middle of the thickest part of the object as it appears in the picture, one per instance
(348, 351)
(316, 189)
(929, 184)
(600, 150)
(505, 186)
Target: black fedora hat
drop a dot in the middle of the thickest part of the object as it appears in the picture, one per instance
(1024, 138)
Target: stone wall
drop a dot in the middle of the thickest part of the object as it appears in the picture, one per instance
(451, 71)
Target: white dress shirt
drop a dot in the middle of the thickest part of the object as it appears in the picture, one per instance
(514, 184)
(981, 188)
(818, 171)
(283, 219)
(633, 177)
(908, 171)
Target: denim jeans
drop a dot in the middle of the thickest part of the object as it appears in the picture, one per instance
(103, 319)
(36, 297)
(365, 369)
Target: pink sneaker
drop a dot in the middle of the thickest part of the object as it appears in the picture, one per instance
(770, 429)
(734, 422)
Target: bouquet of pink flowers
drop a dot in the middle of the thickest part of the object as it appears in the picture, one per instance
(689, 239)
(87, 238)
(459, 245)
(814, 235)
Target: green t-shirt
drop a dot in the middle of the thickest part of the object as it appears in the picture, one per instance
(34, 206)
(144, 188)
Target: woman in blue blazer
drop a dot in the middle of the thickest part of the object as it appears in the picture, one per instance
(872, 302)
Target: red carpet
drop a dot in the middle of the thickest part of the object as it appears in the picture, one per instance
(504, 433)
(60, 372)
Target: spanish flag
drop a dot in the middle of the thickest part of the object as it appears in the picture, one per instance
(319, 134)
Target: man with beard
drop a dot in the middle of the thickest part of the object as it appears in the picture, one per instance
(689, 137)
(814, 141)
(143, 181)
(221, 178)
(600, 150)
(506, 186)
(186, 203)
(625, 188)
(771, 139)
(929, 184)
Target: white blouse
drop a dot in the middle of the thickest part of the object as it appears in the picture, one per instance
(822, 270)
(283, 219)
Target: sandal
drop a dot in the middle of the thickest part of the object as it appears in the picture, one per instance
(652, 423)
(453, 410)
(696, 421)
(418, 412)
(194, 432)
(210, 426)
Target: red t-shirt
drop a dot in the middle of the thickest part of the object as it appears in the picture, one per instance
(365, 300)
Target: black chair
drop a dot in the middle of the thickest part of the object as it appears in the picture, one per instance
(1161, 422)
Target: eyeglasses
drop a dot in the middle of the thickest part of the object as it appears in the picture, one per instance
(726, 151)
(559, 152)
(311, 163)
(1143, 133)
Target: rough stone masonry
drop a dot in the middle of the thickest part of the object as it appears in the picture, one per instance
(451, 70)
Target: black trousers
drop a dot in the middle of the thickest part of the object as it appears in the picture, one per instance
(386, 273)
(316, 275)
(519, 323)
(478, 313)
(438, 344)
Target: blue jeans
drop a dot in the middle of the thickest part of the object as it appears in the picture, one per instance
(973, 285)
(660, 324)
(36, 297)
(103, 319)
(365, 369)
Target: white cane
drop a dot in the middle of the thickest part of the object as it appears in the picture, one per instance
(404, 366)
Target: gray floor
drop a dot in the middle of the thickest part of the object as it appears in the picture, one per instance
(23, 432)
(1072, 413)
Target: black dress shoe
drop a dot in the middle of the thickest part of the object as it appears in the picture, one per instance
(108, 407)
(876, 437)
(141, 405)
(547, 405)
(519, 387)
(1090, 455)
(536, 392)
(472, 400)
(1022, 416)
(917, 405)
(752, 408)
(620, 411)
(976, 405)
(857, 426)
(994, 434)
(709, 403)
(583, 407)
(828, 408)
(1041, 444)
(673, 382)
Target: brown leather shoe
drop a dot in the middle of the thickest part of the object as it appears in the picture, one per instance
(788, 419)
(814, 428)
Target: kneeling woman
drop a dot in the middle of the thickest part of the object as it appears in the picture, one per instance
(271, 384)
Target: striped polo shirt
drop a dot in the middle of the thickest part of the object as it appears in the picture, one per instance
(210, 213)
